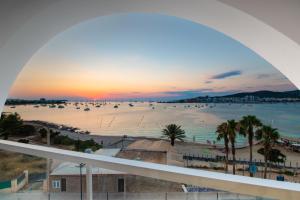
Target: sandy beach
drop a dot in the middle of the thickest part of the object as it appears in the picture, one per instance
(183, 148)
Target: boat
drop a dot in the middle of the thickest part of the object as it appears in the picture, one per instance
(36, 106)
(87, 109)
(116, 106)
(131, 105)
(52, 106)
(13, 107)
(60, 107)
(77, 108)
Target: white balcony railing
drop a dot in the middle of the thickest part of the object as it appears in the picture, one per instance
(221, 181)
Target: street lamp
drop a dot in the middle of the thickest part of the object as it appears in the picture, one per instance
(80, 167)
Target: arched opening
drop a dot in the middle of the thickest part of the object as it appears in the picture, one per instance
(262, 45)
(124, 80)
(234, 23)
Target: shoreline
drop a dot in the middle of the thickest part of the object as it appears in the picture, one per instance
(105, 140)
(109, 140)
(185, 148)
(77, 133)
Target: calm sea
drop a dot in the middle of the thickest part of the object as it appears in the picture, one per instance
(143, 119)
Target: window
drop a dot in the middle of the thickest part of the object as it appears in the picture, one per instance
(56, 184)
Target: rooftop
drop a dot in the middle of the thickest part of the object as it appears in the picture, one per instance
(68, 168)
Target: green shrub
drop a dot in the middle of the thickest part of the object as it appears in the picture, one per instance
(218, 168)
(23, 141)
(78, 144)
(63, 140)
(41, 165)
(43, 132)
(4, 166)
(26, 130)
(88, 144)
(29, 158)
(10, 124)
(288, 173)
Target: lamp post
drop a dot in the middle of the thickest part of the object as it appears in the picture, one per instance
(80, 167)
(48, 162)
(89, 178)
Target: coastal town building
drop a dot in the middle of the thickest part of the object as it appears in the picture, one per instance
(71, 177)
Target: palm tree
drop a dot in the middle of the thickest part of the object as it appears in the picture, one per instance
(173, 132)
(268, 136)
(248, 125)
(227, 131)
(222, 134)
(233, 127)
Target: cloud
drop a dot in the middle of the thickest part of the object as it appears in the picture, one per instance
(186, 93)
(227, 74)
(262, 76)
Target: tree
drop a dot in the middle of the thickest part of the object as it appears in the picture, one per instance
(275, 155)
(248, 125)
(232, 129)
(10, 124)
(222, 135)
(43, 132)
(268, 136)
(173, 132)
(26, 130)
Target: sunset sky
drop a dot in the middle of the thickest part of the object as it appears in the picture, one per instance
(143, 56)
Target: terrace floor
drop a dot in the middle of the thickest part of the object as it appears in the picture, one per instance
(39, 195)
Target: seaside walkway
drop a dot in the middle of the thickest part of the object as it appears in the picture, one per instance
(206, 158)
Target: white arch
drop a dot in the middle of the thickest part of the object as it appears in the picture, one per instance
(56, 16)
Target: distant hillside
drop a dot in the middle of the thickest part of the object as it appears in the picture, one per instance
(247, 97)
(29, 102)
(267, 94)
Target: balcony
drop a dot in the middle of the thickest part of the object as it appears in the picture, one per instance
(236, 187)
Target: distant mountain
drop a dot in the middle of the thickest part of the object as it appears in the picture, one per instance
(267, 94)
(32, 102)
(247, 97)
